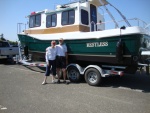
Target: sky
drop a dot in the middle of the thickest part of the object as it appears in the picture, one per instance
(14, 12)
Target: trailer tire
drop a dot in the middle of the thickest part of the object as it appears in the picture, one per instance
(93, 77)
(73, 74)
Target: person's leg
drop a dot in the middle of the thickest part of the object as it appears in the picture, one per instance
(58, 68)
(47, 73)
(64, 73)
(58, 74)
(63, 65)
(53, 70)
(44, 82)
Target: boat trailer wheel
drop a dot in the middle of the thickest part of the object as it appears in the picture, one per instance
(73, 74)
(93, 77)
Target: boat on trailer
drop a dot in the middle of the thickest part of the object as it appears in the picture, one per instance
(82, 27)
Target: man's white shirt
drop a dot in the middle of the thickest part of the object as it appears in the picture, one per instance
(61, 50)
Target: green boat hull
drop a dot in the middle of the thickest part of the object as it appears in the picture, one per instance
(96, 51)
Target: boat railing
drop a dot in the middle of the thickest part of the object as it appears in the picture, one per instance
(133, 21)
(75, 1)
(125, 20)
(20, 26)
(147, 26)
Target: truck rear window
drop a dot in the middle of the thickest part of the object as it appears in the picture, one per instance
(4, 44)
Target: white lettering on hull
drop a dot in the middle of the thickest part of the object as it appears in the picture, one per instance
(97, 44)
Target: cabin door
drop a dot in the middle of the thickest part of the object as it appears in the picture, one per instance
(93, 17)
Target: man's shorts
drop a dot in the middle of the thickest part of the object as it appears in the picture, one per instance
(60, 62)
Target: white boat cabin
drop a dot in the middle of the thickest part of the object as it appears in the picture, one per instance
(78, 16)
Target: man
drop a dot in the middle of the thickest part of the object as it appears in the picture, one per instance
(61, 59)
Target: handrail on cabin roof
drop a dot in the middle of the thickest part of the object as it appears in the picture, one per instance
(57, 11)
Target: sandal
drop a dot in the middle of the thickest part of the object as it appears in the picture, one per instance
(43, 83)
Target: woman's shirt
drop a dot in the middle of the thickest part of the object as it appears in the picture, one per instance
(50, 53)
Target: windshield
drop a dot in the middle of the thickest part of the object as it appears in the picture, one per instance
(4, 44)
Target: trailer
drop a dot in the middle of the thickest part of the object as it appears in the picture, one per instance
(92, 74)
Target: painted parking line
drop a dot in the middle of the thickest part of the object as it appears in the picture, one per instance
(2, 107)
(125, 88)
(22, 69)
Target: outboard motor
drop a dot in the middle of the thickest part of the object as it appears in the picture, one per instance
(119, 51)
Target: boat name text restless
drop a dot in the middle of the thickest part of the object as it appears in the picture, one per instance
(97, 44)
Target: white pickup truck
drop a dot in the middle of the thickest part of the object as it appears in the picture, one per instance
(7, 51)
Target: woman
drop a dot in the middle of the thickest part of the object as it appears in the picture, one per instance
(51, 62)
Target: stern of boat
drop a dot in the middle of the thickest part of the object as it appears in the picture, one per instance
(144, 53)
(145, 61)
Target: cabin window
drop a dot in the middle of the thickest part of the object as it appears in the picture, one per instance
(68, 17)
(35, 21)
(51, 20)
(84, 17)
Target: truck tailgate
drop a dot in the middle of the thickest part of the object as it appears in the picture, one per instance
(9, 51)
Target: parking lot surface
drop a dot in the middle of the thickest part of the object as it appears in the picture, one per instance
(21, 91)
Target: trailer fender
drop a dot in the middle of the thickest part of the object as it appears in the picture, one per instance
(74, 72)
(80, 69)
(96, 67)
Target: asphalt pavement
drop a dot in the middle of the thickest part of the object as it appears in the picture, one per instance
(21, 91)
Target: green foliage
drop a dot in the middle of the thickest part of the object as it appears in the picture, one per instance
(13, 42)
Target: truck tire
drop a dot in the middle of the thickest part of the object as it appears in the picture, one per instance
(93, 77)
(73, 74)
